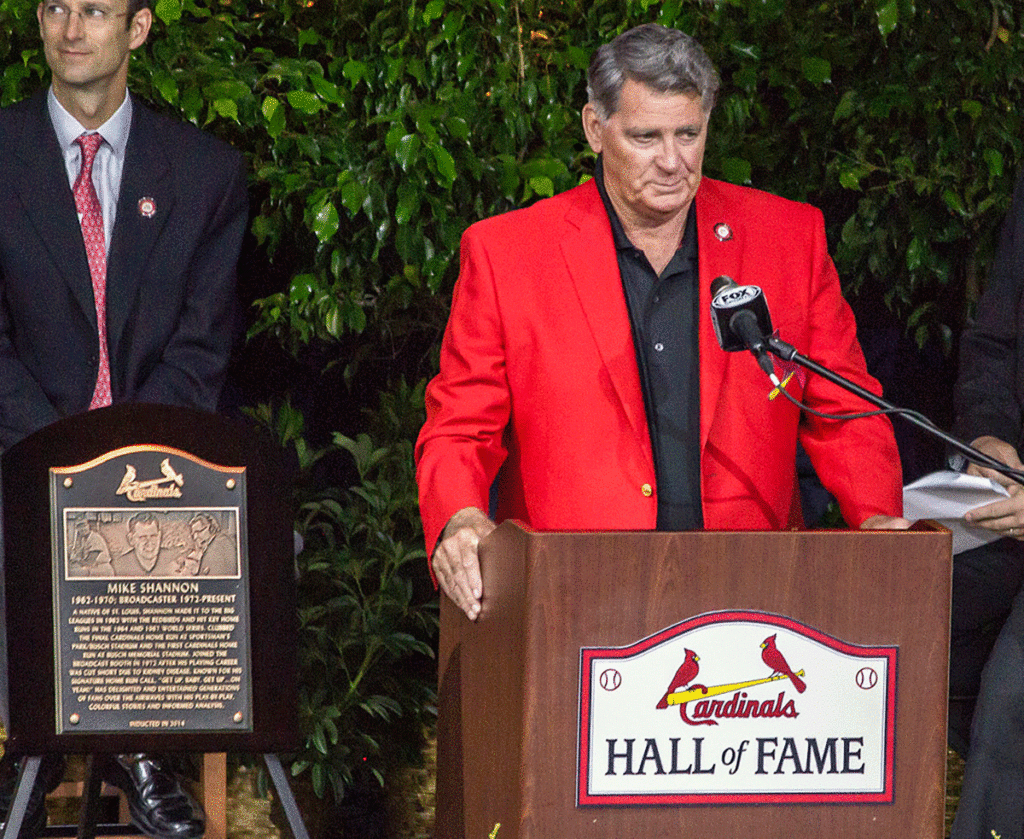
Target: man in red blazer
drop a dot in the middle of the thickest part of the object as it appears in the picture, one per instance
(580, 368)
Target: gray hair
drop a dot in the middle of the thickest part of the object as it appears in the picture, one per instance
(666, 60)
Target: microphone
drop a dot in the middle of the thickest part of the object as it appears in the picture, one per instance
(741, 320)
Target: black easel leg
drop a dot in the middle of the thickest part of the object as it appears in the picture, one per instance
(284, 793)
(89, 813)
(22, 792)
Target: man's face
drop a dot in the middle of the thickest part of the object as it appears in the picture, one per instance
(653, 150)
(87, 44)
(145, 538)
(201, 534)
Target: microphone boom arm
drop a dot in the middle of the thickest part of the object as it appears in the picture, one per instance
(787, 352)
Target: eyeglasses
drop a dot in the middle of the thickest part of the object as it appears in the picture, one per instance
(92, 17)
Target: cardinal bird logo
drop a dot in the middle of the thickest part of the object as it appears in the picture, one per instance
(686, 673)
(773, 658)
(684, 690)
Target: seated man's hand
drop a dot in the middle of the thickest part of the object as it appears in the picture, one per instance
(881, 522)
(1003, 517)
(998, 450)
(456, 560)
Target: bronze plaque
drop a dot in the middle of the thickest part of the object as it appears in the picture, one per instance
(150, 571)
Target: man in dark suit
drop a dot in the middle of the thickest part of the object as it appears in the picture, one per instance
(174, 206)
(987, 631)
(119, 237)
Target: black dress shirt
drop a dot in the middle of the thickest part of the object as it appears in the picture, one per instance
(663, 314)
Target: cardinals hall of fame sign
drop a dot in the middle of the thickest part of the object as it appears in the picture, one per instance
(736, 708)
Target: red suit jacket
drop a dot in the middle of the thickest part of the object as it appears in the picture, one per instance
(539, 386)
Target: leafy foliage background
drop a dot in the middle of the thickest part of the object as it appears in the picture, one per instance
(377, 130)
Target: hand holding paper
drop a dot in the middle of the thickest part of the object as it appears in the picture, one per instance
(947, 497)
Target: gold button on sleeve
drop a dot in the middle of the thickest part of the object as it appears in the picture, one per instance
(647, 490)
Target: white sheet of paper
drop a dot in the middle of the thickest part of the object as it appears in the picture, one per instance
(945, 497)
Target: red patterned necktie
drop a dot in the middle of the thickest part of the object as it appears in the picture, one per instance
(91, 216)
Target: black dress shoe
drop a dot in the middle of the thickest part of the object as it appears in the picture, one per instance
(158, 804)
(51, 771)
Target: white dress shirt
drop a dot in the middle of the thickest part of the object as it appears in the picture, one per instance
(109, 163)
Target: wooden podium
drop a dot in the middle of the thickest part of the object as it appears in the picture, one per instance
(509, 711)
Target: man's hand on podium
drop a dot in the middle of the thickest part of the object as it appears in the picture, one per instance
(1003, 517)
(881, 522)
(457, 561)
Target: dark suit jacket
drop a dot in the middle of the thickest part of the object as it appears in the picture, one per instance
(990, 387)
(170, 277)
(539, 385)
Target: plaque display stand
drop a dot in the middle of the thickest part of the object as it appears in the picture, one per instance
(186, 643)
(509, 725)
